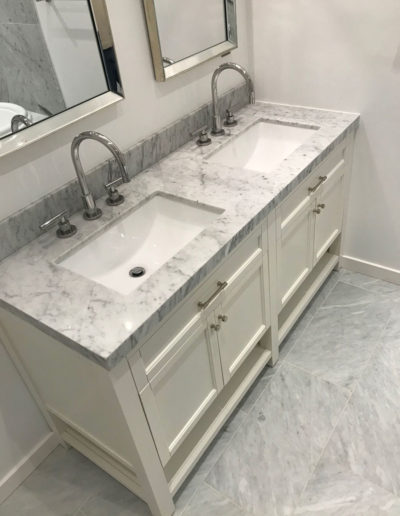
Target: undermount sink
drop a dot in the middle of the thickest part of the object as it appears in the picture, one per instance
(263, 146)
(134, 247)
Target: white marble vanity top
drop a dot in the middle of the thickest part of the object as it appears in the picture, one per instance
(104, 325)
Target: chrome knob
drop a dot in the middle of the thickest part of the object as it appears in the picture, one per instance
(215, 327)
(222, 318)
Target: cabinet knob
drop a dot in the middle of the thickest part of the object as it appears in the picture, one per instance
(216, 327)
(222, 318)
(322, 206)
(317, 211)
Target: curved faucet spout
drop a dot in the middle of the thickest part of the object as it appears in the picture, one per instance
(91, 211)
(216, 123)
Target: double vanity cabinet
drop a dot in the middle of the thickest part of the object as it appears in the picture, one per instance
(147, 418)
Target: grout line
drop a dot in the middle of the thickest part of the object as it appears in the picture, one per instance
(323, 449)
(234, 502)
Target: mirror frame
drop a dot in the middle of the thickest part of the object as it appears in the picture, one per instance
(54, 123)
(161, 72)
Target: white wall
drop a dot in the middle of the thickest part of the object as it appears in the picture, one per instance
(40, 168)
(22, 426)
(71, 39)
(199, 25)
(343, 55)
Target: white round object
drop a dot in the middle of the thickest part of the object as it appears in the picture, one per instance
(7, 111)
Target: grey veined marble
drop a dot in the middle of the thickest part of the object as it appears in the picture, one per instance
(104, 325)
(269, 460)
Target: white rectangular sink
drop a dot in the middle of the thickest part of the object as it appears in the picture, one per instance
(146, 238)
(263, 146)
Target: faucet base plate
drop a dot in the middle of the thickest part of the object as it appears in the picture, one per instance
(218, 132)
(92, 215)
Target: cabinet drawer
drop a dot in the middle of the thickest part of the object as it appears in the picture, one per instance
(157, 349)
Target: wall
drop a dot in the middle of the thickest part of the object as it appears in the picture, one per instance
(343, 55)
(22, 426)
(68, 30)
(40, 168)
(27, 75)
(183, 16)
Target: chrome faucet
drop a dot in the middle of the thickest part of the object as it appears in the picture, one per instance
(17, 120)
(216, 121)
(91, 211)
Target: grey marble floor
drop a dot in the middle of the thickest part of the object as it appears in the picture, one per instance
(317, 435)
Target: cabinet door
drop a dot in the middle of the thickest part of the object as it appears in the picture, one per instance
(184, 387)
(244, 316)
(295, 244)
(329, 210)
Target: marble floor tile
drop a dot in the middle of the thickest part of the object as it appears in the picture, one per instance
(368, 283)
(209, 502)
(258, 388)
(58, 487)
(342, 493)
(367, 437)
(208, 460)
(272, 455)
(307, 315)
(114, 500)
(339, 341)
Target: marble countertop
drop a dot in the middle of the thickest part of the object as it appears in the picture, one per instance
(104, 325)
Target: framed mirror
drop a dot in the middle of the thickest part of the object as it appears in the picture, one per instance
(57, 65)
(185, 33)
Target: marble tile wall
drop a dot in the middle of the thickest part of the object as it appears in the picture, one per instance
(23, 226)
(27, 75)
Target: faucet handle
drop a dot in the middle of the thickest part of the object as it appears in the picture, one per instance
(203, 138)
(230, 119)
(65, 228)
(114, 197)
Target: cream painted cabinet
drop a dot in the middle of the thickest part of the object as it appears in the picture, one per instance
(185, 365)
(181, 389)
(295, 246)
(329, 210)
(308, 222)
(244, 316)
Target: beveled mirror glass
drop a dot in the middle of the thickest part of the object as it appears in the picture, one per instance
(185, 33)
(57, 64)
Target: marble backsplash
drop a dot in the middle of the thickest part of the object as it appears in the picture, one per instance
(22, 227)
(27, 75)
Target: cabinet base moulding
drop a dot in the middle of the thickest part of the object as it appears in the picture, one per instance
(370, 269)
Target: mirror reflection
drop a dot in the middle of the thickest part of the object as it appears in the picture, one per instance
(186, 27)
(186, 33)
(54, 55)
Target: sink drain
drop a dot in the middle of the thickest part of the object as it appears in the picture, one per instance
(137, 272)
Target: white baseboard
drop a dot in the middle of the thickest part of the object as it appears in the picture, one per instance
(370, 269)
(27, 465)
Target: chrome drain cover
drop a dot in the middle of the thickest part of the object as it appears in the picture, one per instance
(137, 272)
